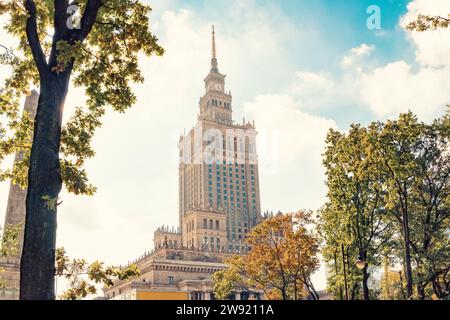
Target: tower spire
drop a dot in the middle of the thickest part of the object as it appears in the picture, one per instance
(214, 57)
(213, 43)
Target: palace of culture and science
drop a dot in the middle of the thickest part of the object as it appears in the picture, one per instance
(219, 203)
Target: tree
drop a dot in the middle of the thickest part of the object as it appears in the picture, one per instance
(396, 144)
(281, 259)
(355, 216)
(389, 193)
(431, 207)
(96, 273)
(426, 22)
(415, 157)
(100, 52)
(233, 278)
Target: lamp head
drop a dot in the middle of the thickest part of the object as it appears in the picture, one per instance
(361, 263)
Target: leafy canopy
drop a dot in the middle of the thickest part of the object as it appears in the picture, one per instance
(282, 255)
(103, 60)
(83, 276)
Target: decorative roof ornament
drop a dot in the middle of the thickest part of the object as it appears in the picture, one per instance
(214, 64)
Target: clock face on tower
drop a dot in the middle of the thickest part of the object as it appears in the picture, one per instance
(215, 86)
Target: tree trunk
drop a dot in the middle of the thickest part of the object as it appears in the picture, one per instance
(437, 288)
(408, 268)
(365, 284)
(311, 289)
(37, 267)
(421, 292)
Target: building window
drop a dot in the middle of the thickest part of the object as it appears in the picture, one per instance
(210, 224)
(171, 280)
(217, 224)
(205, 224)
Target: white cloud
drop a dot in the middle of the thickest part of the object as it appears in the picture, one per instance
(292, 178)
(357, 53)
(432, 47)
(392, 88)
(395, 88)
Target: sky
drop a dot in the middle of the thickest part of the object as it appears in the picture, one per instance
(298, 68)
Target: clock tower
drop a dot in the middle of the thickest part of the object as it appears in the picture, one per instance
(218, 173)
(215, 105)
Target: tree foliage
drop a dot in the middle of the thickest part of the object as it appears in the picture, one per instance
(355, 216)
(9, 244)
(389, 197)
(10, 240)
(282, 256)
(427, 22)
(104, 62)
(84, 277)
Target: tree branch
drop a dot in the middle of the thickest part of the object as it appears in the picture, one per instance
(33, 37)
(88, 19)
(60, 17)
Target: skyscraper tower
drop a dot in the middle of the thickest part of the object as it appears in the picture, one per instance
(218, 171)
(15, 214)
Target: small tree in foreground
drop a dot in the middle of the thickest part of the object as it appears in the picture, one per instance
(283, 254)
(83, 277)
